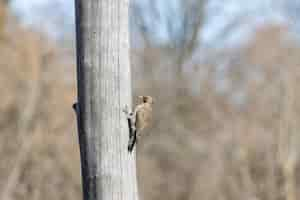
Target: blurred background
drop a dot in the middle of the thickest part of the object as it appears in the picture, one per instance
(224, 75)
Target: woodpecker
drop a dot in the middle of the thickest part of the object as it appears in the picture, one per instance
(139, 119)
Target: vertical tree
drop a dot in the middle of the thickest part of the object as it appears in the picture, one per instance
(104, 88)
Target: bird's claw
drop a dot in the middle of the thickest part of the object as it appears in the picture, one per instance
(125, 109)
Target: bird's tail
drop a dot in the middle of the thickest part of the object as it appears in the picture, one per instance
(132, 142)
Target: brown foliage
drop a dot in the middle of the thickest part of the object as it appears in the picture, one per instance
(201, 146)
(208, 147)
(38, 143)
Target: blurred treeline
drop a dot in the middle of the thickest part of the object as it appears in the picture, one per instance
(225, 124)
(38, 141)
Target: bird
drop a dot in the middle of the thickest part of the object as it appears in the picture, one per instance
(140, 119)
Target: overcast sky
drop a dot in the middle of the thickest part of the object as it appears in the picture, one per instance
(57, 16)
(52, 16)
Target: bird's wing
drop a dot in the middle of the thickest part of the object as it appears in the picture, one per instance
(143, 117)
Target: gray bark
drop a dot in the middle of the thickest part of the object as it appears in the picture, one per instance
(104, 88)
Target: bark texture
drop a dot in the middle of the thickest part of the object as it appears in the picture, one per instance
(104, 88)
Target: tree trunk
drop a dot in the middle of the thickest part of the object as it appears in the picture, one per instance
(104, 88)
